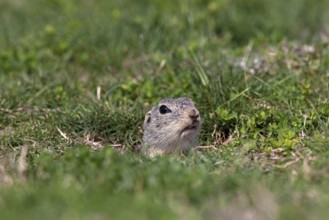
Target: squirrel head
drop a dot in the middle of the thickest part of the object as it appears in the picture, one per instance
(171, 122)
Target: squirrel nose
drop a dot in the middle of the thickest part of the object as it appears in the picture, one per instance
(193, 113)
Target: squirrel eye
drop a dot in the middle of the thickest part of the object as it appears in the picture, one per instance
(164, 109)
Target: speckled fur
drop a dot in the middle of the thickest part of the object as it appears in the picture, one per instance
(165, 133)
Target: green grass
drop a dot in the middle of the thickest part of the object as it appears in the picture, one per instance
(257, 70)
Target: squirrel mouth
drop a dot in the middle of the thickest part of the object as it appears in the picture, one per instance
(190, 129)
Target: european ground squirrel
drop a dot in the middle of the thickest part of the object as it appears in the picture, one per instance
(171, 126)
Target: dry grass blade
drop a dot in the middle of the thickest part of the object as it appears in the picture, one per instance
(5, 178)
(95, 145)
(205, 147)
(62, 134)
(228, 141)
(98, 92)
(22, 164)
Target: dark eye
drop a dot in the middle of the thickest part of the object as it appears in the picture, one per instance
(164, 109)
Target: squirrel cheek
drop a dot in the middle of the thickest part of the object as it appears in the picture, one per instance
(173, 127)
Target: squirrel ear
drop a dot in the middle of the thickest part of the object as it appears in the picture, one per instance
(147, 118)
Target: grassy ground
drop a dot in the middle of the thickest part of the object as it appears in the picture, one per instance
(76, 78)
